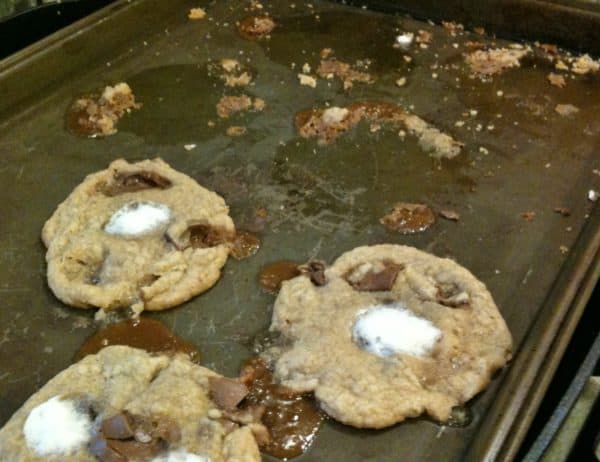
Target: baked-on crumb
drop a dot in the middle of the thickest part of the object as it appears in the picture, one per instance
(566, 110)
(196, 13)
(229, 105)
(235, 130)
(327, 124)
(233, 73)
(331, 67)
(557, 80)
(307, 80)
(407, 218)
(256, 27)
(495, 61)
(91, 116)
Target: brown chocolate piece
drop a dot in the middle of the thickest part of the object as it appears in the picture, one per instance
(227, 393)
(134, 450)
(132, 182)
(202, 236)
(117, 427)
(102, 451)
(255, 27)
(565, 212)
(315, 270)
(452, 296)
(374, 281)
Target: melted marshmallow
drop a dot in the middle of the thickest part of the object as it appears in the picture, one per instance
(181, 455)
(57, 427)
(387, 330)
(138, 218)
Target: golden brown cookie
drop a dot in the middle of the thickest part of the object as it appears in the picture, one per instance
(138, 235)
(390, 332)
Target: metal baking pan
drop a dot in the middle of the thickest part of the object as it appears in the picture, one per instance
(321, 200)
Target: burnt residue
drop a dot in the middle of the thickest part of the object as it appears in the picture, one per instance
(407, 218)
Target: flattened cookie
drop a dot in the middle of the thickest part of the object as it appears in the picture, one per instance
(140, 235)
(124, 404)
(393, 333)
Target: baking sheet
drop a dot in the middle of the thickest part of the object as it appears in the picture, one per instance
(321, 201)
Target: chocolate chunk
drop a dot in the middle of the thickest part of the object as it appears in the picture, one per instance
(227, 393)
(117, 427)
(374, 281)
(451, 295)
(315, 270)
(100, 449)
(168, 431)
(203, 236)
(132, 182)
(134, 450)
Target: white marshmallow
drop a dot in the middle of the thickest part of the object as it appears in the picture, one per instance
(138, 218)
(57, 427)
(385, 330)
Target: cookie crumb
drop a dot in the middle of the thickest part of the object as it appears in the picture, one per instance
(236, 130)
(593, 195)
(557, 80)
(307, 80)
(528, 216)
(197, 13)
(565, 212)
(566, 110)
(449, 215)
(401, 82)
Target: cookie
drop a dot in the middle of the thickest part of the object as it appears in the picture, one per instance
(124, 404)
(389, 332)
(138, 235)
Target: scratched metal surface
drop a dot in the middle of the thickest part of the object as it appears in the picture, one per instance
(321, 201)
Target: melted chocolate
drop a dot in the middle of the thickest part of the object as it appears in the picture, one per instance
(409, 218)
(147, 334)
(292, 419)
(203, 236)
(274, 274)
(245, 245)
(315, 270)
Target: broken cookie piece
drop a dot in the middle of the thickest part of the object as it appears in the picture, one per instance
(229, 105)
(256, 27)
(495, 61)
(326, 124)
(395, 333)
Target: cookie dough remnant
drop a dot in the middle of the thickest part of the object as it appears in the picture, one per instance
(98, 116)
(388, 330)
(494, 61)
(408, 218)
(585, 65)
(459, 342)
(57, 427)
(272, 275)
(197, 13)
(557, 80)
(566, 110)
(256, 27)
(229, 105)
(140, 405)
(291, 418)
(307, 80)
(137, 219)
(143, 333)
(327, 124)
(236, 130)
(331, 67)
(105, 252)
